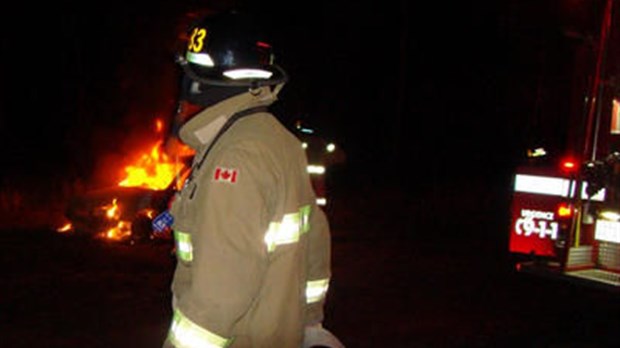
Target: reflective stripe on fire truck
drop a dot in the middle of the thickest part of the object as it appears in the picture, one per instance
(316, 290)
(184, 333)
(552, 186)
(289, 229)
(184, 246)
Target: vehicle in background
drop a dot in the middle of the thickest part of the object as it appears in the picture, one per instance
(324, 156)
(122, 214)
(565, 210)
(125, 212)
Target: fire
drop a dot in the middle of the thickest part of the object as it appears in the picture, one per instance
(154, 170)
(122, 229)
(112, 211)
(159, 126)
(65, 228)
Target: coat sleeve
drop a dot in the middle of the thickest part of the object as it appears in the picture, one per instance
(230, 255)
(318, 266)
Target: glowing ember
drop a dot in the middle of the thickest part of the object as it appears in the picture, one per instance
(122, 229)
(150, 213)
(65, 228)
(112, 211)
(159, 126)
(119, 232)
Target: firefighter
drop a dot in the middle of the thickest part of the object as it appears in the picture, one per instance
(252, 247)
(323, 158)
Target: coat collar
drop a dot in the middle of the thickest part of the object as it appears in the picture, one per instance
(200, 130)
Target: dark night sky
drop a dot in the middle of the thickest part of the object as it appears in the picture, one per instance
(395, 82)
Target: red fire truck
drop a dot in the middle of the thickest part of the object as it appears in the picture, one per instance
(565, 209)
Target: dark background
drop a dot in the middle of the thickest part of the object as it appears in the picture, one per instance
(437, 83)
(417, 94)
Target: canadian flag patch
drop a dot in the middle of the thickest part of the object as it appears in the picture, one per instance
(228, 175)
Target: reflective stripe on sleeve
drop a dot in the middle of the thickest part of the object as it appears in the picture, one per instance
(289, 229)
(305, 218)
(184, 246)
(316, 290)
(184, 333)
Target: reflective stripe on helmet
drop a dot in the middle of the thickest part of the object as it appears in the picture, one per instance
(316, 290)
(236, 74)
(184, 333)
(289, 229)
(201, 59)
(184, 246)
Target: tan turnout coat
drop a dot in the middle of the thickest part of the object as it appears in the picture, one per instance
(253, 248)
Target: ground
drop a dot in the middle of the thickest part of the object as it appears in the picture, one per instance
(405, 274)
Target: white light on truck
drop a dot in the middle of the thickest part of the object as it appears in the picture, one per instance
(607, 231)
(610, 215)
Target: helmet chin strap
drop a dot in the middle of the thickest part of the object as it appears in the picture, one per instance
(207, 95)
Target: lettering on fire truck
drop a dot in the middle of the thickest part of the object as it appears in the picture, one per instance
(536, 222)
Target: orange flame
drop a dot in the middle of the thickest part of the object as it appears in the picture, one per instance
(159, 126)
(112, 211)
(122, 229)
(155, 169)
(119, 232)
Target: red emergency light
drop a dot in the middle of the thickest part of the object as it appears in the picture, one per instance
(569, 165)
(263, 44)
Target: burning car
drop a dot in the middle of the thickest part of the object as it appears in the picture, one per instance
(118, 213)
(124, 212)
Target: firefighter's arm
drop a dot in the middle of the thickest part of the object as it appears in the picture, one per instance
(230, 253)
(318, 267)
